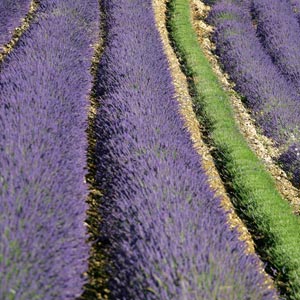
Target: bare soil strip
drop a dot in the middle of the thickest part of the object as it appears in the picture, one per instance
(25, 23)
(97, 276)
(262, 146)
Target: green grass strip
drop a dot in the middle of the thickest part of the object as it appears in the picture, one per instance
(274, 227)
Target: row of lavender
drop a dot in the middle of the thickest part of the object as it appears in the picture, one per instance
(44, 87)
(166, 233)
(11, 13)
(296, 7)
(260, 52)
(279, 33)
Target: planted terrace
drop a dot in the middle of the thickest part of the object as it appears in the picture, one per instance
(165, 235)
(44, 87)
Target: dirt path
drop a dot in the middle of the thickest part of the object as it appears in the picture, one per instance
(261, 145)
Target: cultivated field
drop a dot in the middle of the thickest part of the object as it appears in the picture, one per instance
(149, 149)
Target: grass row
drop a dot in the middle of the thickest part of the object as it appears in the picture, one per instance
(274, 227)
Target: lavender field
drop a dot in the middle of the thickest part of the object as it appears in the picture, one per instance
(104, 193)
(258, 44)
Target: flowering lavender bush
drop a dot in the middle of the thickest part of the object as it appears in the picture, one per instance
(279, 32)
(44, 86)
(272, 98)
(167, 234)
(11, 13)
(296, 7)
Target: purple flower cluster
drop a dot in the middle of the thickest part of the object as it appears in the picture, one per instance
(11, 13)
(166, 232)
(44, 88)
(279, 32)
(296, 7)
(271, 96)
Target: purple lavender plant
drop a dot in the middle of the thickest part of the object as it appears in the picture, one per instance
(11, 13)
(272, 98)
(44, 87)
(292, 155)
(167, 234)
(279, 32)
(296, 8)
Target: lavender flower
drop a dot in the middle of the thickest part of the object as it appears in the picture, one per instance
(44, 87)
(11, 13)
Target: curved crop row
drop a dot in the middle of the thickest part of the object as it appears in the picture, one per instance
(168, 236)
(44, 86)
(11, 13)
(279, 33)
(275, 229)
(272, 99)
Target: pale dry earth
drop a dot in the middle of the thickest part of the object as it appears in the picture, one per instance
(262, 146)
